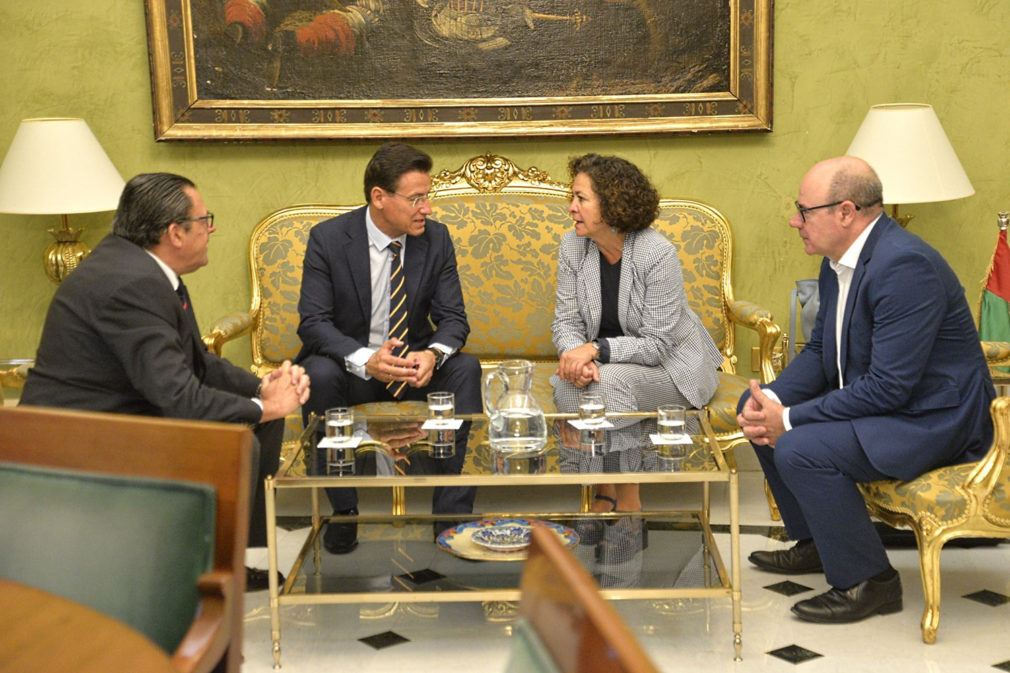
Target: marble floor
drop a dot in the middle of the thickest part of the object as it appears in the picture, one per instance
(685, 635)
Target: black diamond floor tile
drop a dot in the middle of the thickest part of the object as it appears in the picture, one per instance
(384, 639)
(987, 597)
(1003, 666)
(421, 576)
(788, 588)
(794, 654)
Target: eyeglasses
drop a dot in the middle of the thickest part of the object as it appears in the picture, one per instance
(414, 200)
(803, 210)
(207, 219)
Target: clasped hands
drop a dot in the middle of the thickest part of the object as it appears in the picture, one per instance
(577, 366)
(283, 390)
(761, 417)
(415, 367)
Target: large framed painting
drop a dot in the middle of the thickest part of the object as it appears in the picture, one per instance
(281, 69)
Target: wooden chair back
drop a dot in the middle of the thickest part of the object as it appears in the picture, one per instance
(576, 625)
(215, 454)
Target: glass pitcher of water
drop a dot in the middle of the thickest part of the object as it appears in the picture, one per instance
(516, 421)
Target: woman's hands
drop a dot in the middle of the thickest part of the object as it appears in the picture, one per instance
(577, 366)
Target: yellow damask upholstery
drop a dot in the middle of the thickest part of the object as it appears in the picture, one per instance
(507, 225)
(968, 500)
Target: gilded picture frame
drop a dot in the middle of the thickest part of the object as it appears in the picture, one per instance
(315, 69)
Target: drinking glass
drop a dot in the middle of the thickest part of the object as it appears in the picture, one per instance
(591, 408)
(339, 426)
(442, 407)
(671, 421)
(340, 422)
(592, 412)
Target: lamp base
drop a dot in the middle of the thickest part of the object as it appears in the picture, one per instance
(903, 220)
(65, 253)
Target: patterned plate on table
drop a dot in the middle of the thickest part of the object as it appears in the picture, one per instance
(499, 539)
(503, 537)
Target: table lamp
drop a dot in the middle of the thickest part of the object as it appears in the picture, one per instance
(57, 167)
(906, 146)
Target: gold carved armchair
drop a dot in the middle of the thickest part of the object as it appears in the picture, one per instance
(964, 500)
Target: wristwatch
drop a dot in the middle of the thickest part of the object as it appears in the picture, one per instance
(439, 356)
(596, 345)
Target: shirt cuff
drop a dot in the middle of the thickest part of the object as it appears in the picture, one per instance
(259, 402)
(355, 362)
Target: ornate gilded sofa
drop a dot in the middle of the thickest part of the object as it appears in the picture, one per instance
(507, 223)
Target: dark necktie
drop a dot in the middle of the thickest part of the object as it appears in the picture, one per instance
(397, 313)
(183, 295)
(187, 308)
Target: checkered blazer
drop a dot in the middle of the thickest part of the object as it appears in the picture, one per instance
(660, 329)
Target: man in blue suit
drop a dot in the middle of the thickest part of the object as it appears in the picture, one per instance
(891, 384)
(350, 342)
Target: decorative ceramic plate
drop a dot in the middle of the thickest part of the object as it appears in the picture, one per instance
(462, 540)
(503, 537)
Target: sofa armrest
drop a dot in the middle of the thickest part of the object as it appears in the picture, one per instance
(226, 328)
(997, 353)
(209, 636)
(752, 316)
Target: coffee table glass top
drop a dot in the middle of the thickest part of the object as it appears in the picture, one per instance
(385, 445)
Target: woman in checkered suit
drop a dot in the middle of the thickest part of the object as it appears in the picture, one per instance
(622, 324)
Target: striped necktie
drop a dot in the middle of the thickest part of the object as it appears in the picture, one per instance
(397, 313)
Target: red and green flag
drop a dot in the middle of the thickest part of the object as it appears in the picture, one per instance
(994, 315)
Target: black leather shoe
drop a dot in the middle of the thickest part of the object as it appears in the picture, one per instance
(872, 597)
(258, 580)
(799, 559)
(341, 538)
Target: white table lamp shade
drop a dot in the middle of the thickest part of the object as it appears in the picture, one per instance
(57, 166)
(906, 146)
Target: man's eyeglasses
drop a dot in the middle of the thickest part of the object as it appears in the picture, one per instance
(803, 210)
(207, 219)
(415, 201)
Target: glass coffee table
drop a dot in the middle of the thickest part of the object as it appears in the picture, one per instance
(402, 556)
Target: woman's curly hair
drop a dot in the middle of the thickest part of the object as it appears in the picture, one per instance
(628, 201)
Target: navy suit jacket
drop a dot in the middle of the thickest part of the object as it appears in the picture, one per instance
(917, 388)
(335, 306)
(117, 339)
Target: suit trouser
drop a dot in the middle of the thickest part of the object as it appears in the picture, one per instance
(333, 386)
(266, 458)
(813, 472)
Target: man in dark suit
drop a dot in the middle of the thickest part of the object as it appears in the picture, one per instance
(121, 336)
(891, 384)
(352, 350)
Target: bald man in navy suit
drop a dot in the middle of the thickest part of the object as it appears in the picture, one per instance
(891, 384)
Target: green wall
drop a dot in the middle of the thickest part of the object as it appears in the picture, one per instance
(832, 61)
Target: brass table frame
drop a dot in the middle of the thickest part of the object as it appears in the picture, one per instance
(729, 583)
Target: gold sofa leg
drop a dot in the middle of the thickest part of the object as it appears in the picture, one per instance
(929, 567)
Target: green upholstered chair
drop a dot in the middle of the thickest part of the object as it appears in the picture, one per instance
(964, 500)
(116, 544)
(143, 519)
